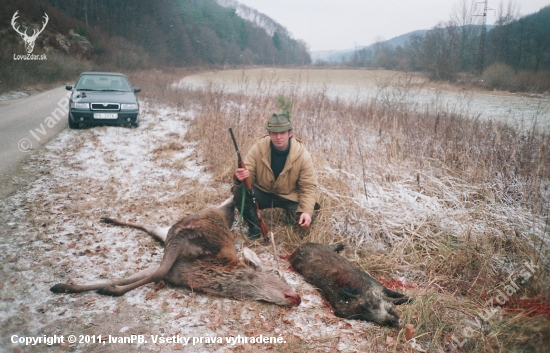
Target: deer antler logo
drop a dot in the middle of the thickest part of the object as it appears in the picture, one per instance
(29, 40)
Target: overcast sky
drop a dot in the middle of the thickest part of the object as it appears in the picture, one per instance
(342, 24)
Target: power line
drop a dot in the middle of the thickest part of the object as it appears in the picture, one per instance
(480, 57)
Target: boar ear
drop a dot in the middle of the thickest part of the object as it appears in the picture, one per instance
(348, 293)
(337, 248)
(251, 259)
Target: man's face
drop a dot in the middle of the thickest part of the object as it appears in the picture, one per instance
(280, 139)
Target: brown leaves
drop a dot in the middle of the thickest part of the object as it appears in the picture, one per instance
(327, 318)
(151, 295)
(409, 331)
(97, 251)
(213, 324)
(253, 332)
(175, 295)
(89, 302)
(345, 325)
(159, 286)
(288, 321)
(179, 316)
(235, 313)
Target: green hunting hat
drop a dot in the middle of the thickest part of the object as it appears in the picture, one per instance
(279, 123)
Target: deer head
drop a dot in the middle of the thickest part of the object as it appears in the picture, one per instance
(29, 40)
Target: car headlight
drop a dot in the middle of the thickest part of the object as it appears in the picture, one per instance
(129, 106)
(80, 105)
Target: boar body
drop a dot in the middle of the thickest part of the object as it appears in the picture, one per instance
(352, 293)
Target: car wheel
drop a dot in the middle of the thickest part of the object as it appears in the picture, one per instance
(73, 125)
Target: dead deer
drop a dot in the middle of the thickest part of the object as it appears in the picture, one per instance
(200, 254)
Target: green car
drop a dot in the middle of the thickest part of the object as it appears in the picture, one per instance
(103, 98)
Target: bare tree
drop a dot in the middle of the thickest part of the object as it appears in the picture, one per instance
(439, 53)
(464, 18)
(506, 13)
(504, 42)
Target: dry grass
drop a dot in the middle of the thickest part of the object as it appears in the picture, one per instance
(447, 204)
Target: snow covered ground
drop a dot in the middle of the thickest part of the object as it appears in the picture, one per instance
(151, 174)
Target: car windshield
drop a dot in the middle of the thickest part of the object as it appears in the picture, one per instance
(103, 83)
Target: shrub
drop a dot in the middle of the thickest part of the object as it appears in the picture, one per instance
(498, 76)
(529, 81)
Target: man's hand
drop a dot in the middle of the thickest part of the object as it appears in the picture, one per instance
(305, 220)
(242, 174)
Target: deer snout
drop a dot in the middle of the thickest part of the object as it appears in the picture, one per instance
(293, 298)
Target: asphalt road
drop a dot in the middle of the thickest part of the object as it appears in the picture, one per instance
(26, 125)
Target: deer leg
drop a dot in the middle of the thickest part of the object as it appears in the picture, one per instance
(159, 233)
(171, 254)
(76, 288)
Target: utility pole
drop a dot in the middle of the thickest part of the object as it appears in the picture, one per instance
(355, 56)
(480, 56)
(86, 14)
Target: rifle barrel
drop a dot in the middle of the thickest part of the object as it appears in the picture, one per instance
(235, 144)
(248, 183)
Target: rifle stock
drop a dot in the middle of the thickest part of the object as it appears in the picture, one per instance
(250, 191)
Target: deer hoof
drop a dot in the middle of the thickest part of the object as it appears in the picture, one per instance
(109, 291)
(106, 220)
(60, 288)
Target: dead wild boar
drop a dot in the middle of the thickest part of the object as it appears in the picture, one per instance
(352, 293)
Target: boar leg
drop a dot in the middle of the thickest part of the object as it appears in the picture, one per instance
(397, 298)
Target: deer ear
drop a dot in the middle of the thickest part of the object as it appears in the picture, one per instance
(251, 259)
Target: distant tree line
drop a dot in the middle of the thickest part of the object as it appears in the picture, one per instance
(453, 47)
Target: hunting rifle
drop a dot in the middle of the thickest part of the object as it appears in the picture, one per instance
(249, 190)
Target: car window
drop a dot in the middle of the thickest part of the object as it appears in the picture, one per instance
(103, 83)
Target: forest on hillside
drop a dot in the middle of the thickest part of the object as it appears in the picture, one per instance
(136, 34)
(516, 48)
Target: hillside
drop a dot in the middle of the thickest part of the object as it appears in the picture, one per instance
(129, 35)
(337, 56)
(516, 53)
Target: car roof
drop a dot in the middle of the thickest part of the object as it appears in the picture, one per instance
(102, 73)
